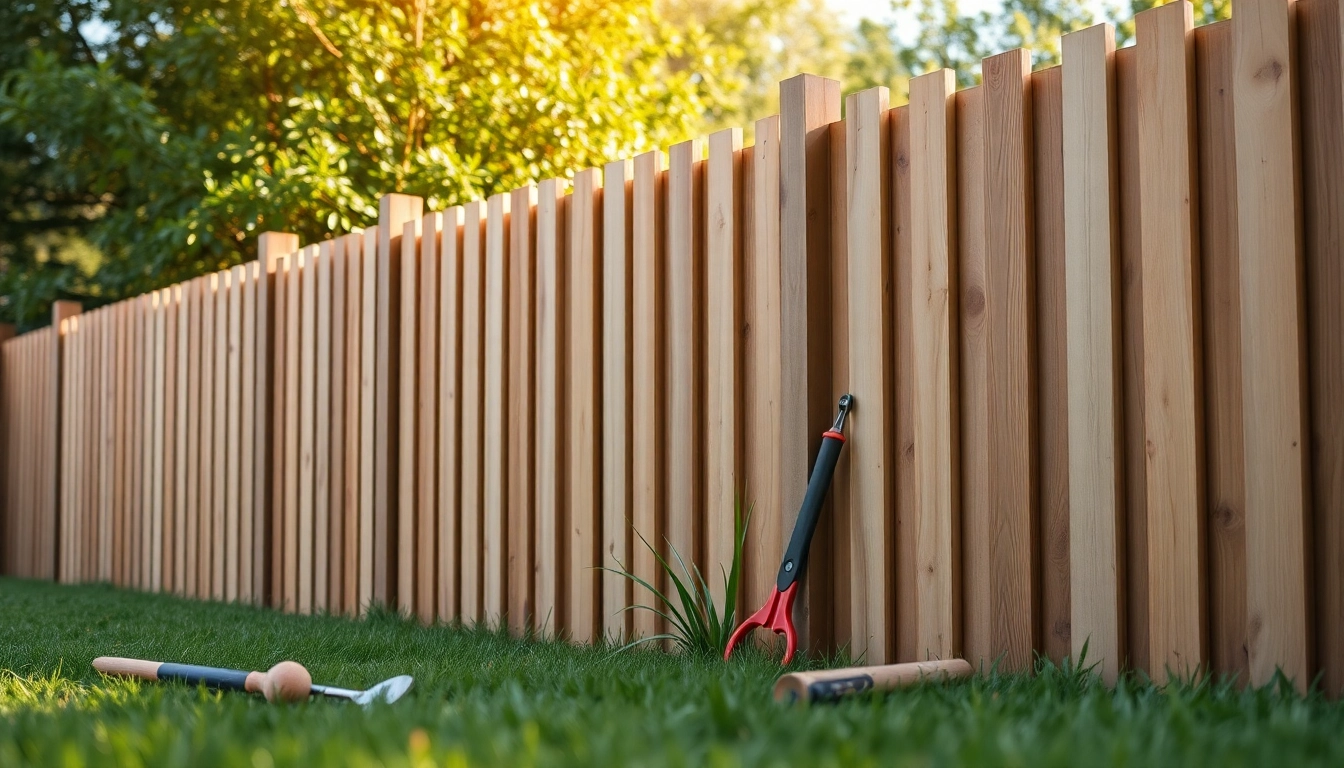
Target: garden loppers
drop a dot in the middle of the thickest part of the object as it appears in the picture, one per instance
(777, 613)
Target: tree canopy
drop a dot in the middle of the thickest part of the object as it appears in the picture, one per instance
(143, 142)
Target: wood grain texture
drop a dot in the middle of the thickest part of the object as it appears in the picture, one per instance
(473, 316)
(427, 429)
(761, 372)
(1010, 324)
(208, 546)
(233, 507)
(351, 371)
(368, 337)
(685, 342)
(648, 368)
(1132, 365)
(1321, 37)
(904, 552)
(307, 423)
(293, 410)
(1222, 351)
(270, 247)
(218, 503)
(1052, 363)
(393, 212)
(522, 386)
(1172, 357)
(1094, 395)
(408, 417)
(251, 521)
(584, 404)
(617, 513)
(934, 330)
(723, 353)
(191, 577)
(871, 375)
(551, 581)
(495, 469)
(807, 104)
(323, 443)
(840, 497)
(1273, 341)
(450, 414)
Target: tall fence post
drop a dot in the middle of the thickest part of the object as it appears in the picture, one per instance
(60, 312)
(271, 246)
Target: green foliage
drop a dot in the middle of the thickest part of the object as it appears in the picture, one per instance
(193, 126)
(483, 699)
(699, 626)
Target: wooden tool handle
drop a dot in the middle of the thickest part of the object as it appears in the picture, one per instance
(115, 665)
(832, 684)
(229, 679)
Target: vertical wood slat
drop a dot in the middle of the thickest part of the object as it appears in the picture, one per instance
(685, 364)
(182, 300)
(904, 551)
(171, 299)
(584, 388)
(307, 421)
(1051, 320)
(648, 363)
(1172, 357)
(1131, 295)
(521, 450)
(328, 262)
(807, 104)
(871, 372)
(407, 513)
(1273, 342)
(192, 541)
(450, 391)
(723, 348)
(269, 346)
(551, 581)
(340, 559)
(934, 332)
(426, 452)
(617, 513)
(841, 494)
(234, 508)
(1014, 490)
(368, 330)
(250, 517)
(1093, 344)
(495, 470)
(354, 371)
(762, 375)
(393, 212)
(1320, 38)
(219, 485)
(293, 410)
(205, 528)
(473, 309)
(1221, 315)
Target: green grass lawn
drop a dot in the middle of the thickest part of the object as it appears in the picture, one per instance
(484, 699)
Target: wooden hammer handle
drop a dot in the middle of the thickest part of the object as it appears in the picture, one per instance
(832, 684)
(215, 677)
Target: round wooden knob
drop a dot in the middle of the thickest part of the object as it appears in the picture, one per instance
(287, 681)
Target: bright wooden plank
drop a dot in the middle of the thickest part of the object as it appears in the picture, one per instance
(407, 415)
(1272, 340)
(836, 542)
(473, 309)
(1172, 389)
(270, 247)
(354, 324)
(191, 561)
(551, 583)
(250, 517)
(172, 298)
(1092, 282)
(106, 443)
(1320, 34)
(1221, 316)
(685, 340)
(522, 385)
(306, 421)
(934, 332)
(617, 514)
(182, 304)
(323, 444)
(583, 382)
(427, 393)
(282, 347)
(871, 375)
(141, 506)
(219, 485)
(1014, 491)
(233, 506)
(450, 414)
(807, 407)
(368, 335)
(723, 353)
(393, 212)
(648, 366)
(904, 551)
(337, 477)
(293, 412)
(494, 471)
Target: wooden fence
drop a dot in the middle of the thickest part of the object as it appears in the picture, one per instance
(1091, 316)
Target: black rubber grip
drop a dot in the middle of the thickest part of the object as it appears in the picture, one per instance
(795, 557)
(214, 677)
(834, 690)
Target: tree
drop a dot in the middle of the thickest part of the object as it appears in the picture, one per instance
(192, 126)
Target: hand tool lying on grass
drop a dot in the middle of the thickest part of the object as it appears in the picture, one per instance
(777, 613)
(834, 684)
(287, 681)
